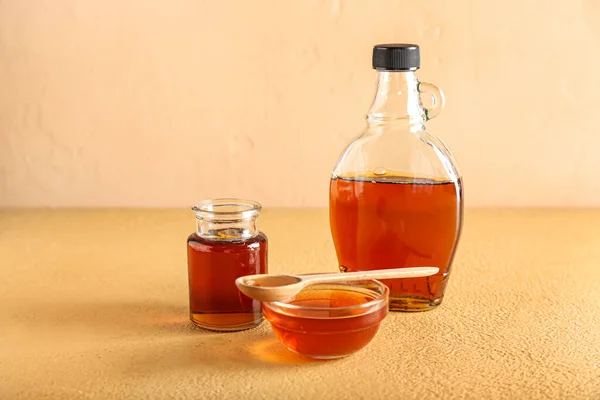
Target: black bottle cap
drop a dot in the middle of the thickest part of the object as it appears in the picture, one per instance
(396, 57)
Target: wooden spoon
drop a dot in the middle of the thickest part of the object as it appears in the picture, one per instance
(267, 287)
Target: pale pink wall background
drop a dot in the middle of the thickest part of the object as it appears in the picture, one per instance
(162, 103)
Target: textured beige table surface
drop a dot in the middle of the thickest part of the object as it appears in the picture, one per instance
(94, 303)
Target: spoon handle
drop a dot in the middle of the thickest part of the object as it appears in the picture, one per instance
(394, 273)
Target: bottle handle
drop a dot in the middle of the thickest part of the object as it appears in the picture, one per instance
(437, 98)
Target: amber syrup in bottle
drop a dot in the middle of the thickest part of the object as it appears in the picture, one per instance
(396, 194)
(398, 222)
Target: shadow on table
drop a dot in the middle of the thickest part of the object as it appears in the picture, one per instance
(114, 318)
(155, 336)
(214, 352)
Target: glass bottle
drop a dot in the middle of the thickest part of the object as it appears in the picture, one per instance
(225, 246)
(395, 193)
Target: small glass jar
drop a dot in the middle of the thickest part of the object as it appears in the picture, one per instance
(226, 245)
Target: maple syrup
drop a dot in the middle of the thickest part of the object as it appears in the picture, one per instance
(395, 222)
(226, 246)
(329, 321)
(396, 193)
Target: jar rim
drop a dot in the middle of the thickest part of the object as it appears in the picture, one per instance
(226, 208)
(381, 299)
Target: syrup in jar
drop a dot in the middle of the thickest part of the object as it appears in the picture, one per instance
(225, 246)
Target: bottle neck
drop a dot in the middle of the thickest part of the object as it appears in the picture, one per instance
(397, 99)
(238, 229)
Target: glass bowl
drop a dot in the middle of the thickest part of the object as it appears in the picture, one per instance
(327, 321)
